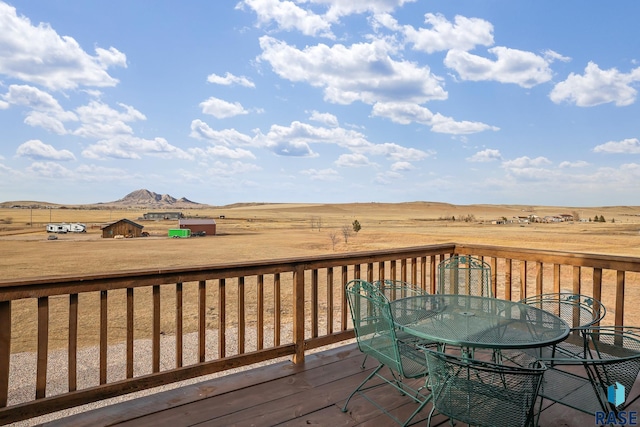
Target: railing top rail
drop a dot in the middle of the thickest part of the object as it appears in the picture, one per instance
(611, 262)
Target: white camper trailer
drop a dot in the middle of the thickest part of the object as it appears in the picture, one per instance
(75, 227)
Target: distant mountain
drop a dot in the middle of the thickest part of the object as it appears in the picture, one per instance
(150, 199)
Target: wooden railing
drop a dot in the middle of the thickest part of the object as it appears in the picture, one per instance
(207, 319)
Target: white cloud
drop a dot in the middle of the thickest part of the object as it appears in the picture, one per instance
(327, 119)
(402, 167)
(338, 8)
(353, 160)
(287, 15)
(321, 175)
(50, 170)
(406, 112)
(222, 169)
(45, 112)
(99, 120)
(597, 87)
(294, 140)
(227, 137)
(222, 109)
(37, 54)
(37, 150)
(626, 146)
(129, 147)
(230, 79)
(523, 68)
(218, 151)
(488, 155)
(576, 164)
(525, 162)
(463, 34)
(361, 72)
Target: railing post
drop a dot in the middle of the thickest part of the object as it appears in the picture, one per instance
(5, 350)
(298, 313)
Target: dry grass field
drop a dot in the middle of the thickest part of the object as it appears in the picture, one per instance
(270, 231)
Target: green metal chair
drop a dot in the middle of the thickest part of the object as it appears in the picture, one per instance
(376, 336)
(579, 311)
(467, 275)
(482, 393)
(392, 290)
(610, 359)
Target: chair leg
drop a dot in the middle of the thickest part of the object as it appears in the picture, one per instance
(371, 375)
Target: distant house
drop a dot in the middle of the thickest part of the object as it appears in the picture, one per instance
(206, 225)
(122, 227)
(162, 215)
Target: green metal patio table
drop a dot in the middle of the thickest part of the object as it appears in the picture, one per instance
(472, 322)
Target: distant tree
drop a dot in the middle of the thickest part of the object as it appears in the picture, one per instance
(613, 220)
(333, 235)
(602, 219)
(346, 233)
(356, 226)
(576, 215)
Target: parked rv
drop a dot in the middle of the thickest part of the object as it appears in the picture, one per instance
(67, 228)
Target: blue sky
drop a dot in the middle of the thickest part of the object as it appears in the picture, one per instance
(321, 101)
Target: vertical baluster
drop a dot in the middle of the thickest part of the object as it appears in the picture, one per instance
(277, 321)
(414, 270)
(222, 318)
(179, 355)
(329, 300)
(403, 269)
(556, 278)
(523, 279)
(619, 315)
(597, 287)
(129, 332)
(298, 314)
(5, 350)
(370, 272)
(314, 303)
(73, 342)
(43, 345)
(260, 309)
(155, 339)
(508, 285)
(241, 315)
(343, 298)
(433, 274)
(539, 277)
(423, 273)
(103, 337)
(202, 310)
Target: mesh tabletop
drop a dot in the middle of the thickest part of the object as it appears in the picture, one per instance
(479, 322)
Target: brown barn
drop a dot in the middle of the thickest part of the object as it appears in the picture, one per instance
(122, 227)
(206, 225)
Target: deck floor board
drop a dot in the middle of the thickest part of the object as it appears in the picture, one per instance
(284, 394)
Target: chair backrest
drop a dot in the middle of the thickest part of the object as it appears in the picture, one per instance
(375, 329)
(483, 393)
(394, 289)
(614, 355)
(577, 310)
(462, 274)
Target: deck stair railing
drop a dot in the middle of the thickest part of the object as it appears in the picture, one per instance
(200, 320)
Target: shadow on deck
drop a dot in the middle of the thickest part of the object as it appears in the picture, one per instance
(284, 394)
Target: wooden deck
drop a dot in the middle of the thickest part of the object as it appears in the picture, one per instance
(284, 394)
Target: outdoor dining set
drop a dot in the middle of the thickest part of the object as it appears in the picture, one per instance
(485, 361)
